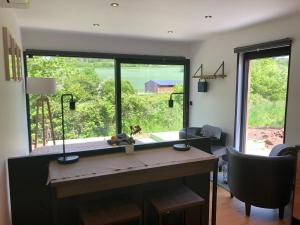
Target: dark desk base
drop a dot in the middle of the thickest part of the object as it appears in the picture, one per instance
(68, 207)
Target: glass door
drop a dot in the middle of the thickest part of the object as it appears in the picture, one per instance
(264, 100)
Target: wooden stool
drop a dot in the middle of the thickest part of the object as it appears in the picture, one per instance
(115, 212)
(174, 200)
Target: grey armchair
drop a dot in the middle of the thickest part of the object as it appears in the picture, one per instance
(261, 181)
(217, 145)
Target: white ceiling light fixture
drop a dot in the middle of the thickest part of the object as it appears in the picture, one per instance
(115, 4)
(96, 24)
(208, 17)
(170, 32)
(19, 4)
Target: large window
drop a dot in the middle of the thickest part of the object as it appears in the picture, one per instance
(91, 81)
(111, 95)
(145, 91)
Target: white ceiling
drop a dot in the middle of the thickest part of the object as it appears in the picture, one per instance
(152, 18)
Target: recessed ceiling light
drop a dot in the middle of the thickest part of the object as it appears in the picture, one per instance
(115, 4)
(208, 17)
(96, 24)
(170, 31)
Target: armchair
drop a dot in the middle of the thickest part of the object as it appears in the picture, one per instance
(218, 146)
(261, 181)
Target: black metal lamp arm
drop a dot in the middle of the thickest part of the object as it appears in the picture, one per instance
(171, 102)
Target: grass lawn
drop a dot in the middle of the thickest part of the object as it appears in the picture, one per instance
(267, 114)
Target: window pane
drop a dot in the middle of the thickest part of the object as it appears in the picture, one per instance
(91, 81)
(146, 89)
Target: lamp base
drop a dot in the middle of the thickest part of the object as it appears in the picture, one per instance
(68, 159)
(181, 147)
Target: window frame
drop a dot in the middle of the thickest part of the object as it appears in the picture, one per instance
(119, 58)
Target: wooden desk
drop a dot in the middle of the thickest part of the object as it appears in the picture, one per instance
(106, 172)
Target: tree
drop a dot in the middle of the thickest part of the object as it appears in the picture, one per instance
(269, 78)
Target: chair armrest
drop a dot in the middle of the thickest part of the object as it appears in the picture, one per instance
(222, 141)
(193, 132)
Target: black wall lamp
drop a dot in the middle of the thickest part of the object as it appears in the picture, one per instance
(185, 146)
(70, 158)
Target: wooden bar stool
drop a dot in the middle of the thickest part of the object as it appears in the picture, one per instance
(175, 200)
(115, 212)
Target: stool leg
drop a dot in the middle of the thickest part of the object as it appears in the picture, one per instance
(201, 216)
(160, 218)
(141, 220)
(145, 213)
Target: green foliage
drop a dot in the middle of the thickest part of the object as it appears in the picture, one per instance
(269, 78)
(95, 96)
(268, 92)
(267, 114)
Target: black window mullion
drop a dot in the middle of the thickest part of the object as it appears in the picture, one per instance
(186, 86)
(118, 96)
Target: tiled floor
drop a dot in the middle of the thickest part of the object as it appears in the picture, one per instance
(232, 212)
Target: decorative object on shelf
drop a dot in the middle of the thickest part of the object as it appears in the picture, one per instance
(129, 149)
(43, 87)
(124, 139)
(202, 86)
(12, 57)
(66, 159)
(134, 130)
(202, 83)
(120, 139)
(185, 146)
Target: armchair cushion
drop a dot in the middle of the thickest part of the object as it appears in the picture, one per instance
(211, 131)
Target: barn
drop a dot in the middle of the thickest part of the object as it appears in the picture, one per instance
(161, 86)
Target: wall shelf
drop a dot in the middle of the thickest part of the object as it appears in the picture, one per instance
(210, 76)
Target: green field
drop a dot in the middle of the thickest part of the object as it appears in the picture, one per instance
(268, 114)
(138, 76)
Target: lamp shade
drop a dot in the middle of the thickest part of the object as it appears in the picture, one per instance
(43, 86)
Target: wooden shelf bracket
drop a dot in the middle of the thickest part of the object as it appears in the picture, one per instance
(210, 77)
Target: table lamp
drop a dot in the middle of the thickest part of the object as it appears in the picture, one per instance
(185, 146)
(66, 159)
(43, 87)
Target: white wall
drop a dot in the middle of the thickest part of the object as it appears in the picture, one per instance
(13, 125)
(74, 41)
(217, 106)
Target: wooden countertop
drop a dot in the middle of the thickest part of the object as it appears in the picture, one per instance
(102, 172)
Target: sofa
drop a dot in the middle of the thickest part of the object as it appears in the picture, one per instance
(218, 146)
(262, 181)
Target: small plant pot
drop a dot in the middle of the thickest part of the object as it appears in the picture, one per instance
(129, 149)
